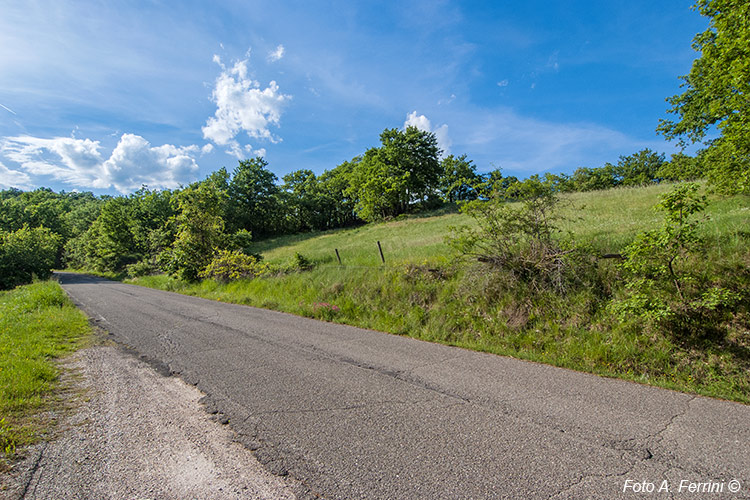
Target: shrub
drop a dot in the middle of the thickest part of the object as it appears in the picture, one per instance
(663, 285)
(522, 240)
(301, 263)
(230, 265)
(142, 268)
(25, 254)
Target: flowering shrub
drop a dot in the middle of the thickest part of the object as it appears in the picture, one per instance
(230, 265)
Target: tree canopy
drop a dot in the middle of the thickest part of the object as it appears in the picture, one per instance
(717, 93)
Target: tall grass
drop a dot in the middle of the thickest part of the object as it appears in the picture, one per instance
(426, 291)
(38, 325)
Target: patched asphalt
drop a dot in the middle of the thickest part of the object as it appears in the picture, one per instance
(353, 413)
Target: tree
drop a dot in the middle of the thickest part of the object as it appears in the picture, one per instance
(302, 201)
(662, 282)
(681, 168)
(415, 154)
(254, 202)
(201, 229)
(379, 187)
(459, 179)
(718, 94)
(25, 254)
(638, 169)
(337, 206)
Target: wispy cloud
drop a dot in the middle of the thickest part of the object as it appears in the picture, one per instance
(276, 54)
(525, 145)
(6, 108)
(79, 162)
(423, 123)
(242, 106)
(13, 178)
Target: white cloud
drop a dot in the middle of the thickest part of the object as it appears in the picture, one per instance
(13, 178)
(207, 148)
(276, 54)
(242, 106)
(503, 83)
(79, 162)
(424, 124)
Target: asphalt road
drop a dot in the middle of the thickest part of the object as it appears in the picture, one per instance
(353, 413)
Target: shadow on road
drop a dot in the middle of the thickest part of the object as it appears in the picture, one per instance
(65, 278)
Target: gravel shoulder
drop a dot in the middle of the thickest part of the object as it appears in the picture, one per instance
(138, 434)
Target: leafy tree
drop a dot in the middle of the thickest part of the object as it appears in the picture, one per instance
(200, 232)
(109, 244)
(303, 204)
(681, 168)
(336, 204)
(415, 155)
(592, 179)
(638, 169)
(459, 179)
(25, 254)
(493, 184)
(254, 199)
(380, 187)
(718, 94)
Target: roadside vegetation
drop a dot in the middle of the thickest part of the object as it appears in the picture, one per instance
(587, 318)
(38, 325)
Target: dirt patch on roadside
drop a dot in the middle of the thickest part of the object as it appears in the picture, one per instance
(139, 435)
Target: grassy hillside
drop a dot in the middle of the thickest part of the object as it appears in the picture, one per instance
(606, 219)
(427, 291)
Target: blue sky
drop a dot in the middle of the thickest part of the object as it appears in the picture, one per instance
(109, 95)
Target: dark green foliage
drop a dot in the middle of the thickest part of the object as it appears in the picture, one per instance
(459, 179)
(200, 229)
(254, 201)
(639, 169)
(404, 172)
(717, 93)
(26, 254)
(682, 168)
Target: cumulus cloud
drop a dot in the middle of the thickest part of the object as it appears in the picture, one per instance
(424, 124)
(79, 162)
(13, 178)
(242, 106)
(276, 54)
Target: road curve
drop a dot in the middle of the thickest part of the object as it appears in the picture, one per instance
(353, 413)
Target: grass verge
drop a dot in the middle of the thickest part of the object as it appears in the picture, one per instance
(38, 325)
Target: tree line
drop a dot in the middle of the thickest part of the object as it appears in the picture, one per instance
(179, 231)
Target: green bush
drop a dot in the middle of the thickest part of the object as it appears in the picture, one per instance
(26, 254)
(230, 265)
(523, 240)
(665, 284)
